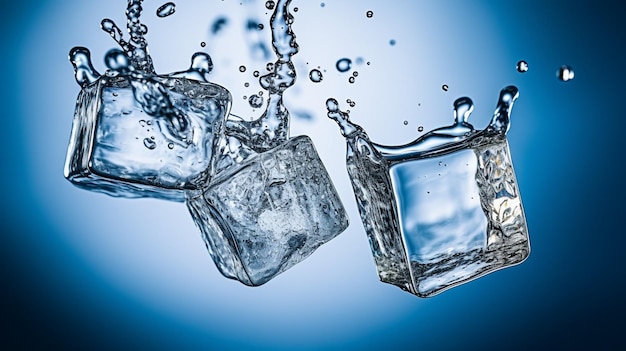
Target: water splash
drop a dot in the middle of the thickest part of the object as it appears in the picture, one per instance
(440, 140)
(522, 66)
(137, 48)
(272, 128)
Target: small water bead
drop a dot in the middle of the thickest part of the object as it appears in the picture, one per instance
(166, 9)
(444, 87)
(322, 4)
(565, 73)
(84, 72)
(522, 66)
(201, 62)
(116, 59)
(242, 68)
(344, 65)
(270, 66)
(261, 26)
(295, 9)
(355, 74)
(149, 143)
(255, 101)
(269, 5)
(203, 44)
(406, 122)
(368, 63)
(245, 97)
(316, 76)
(420, 129)
(369, 14)
(256, 73)
(351, 80)
(392, 42)
(170, 146)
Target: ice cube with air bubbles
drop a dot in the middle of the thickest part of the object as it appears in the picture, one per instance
(136, 134)
(444, 209)
(262, 216)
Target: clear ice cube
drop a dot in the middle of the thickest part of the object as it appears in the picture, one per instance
(270, 212)
(444, 209)
(117, 148)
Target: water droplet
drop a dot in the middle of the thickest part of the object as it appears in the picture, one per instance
(522, 66)
(149, 143)
(170, 146)
(84, 72)
(322, 4)
(269, 5)
(315, 75)
(255, 101)
(369, 14)
(270, 66)
(368, 63)
(166, 9)
(295, 9)
(392, 42)
(261, 26)
(420, 129)
(116, 60)
(203, 44)
(444, 87)
(242, 68)
(246, 84)
(565, 73)
(406, 122)
(245, 97)
(344, 65)
(351, 80)
(255, 73)
(355, 74)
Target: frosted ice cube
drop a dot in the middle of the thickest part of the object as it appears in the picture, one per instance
(272, 211)
(118, 149)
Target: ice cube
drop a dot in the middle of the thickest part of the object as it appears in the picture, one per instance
(272, 211)
(117, 148)
(443, 209)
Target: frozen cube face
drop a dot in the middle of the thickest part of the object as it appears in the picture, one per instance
(118, 149)
(269, 214)
(460, 215)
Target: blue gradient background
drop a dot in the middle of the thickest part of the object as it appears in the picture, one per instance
(83, 270)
